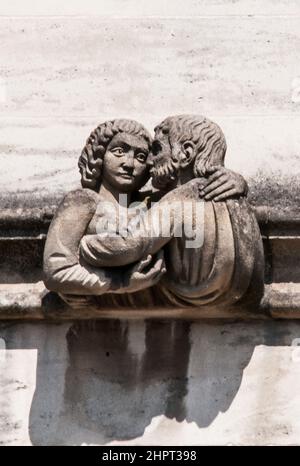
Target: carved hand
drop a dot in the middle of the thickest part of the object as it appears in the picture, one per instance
(223, 184)
(145, 273)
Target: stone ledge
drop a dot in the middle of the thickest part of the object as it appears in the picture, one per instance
(32, 301)
(23, 295)
(34, 222)
(23, 232)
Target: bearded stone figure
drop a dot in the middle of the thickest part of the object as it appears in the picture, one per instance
(211, 252)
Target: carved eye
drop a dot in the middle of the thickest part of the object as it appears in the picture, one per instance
(141, 157)
(118, 151)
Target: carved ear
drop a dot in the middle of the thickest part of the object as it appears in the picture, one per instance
(187, 153)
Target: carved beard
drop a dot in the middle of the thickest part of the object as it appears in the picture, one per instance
(165, 175)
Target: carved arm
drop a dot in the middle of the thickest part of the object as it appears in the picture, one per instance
(63, 271)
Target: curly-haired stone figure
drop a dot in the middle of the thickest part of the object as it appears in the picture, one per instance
(91, 160)
(108, 175)
(79, 261)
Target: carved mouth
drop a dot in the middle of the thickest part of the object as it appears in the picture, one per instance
(127, 176)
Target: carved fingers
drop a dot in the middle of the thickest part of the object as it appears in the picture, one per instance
(218, 188)
(158, 268)
(152, 268)
(143, 263)
(223, 184)
(226, 195)
(146, 273)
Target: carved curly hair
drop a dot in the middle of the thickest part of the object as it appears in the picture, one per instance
(91, 158)
(207, 136)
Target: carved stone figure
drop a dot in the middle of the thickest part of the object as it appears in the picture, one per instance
(229, 265)
(187, 158)
(106, 173)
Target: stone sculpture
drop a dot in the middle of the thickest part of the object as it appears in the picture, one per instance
(91, 259)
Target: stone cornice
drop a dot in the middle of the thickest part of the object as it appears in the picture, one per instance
(23, 295)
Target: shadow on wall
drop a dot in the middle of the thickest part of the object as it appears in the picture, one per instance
(114, 377)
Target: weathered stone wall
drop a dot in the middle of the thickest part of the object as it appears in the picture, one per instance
(235, 61)
(140, 381)
(150, 383)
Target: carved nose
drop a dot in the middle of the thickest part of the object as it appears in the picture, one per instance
(129, 160)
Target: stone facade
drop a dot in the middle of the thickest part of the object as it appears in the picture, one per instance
(65, 378)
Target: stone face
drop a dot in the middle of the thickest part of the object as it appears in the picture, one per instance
(199, 244)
